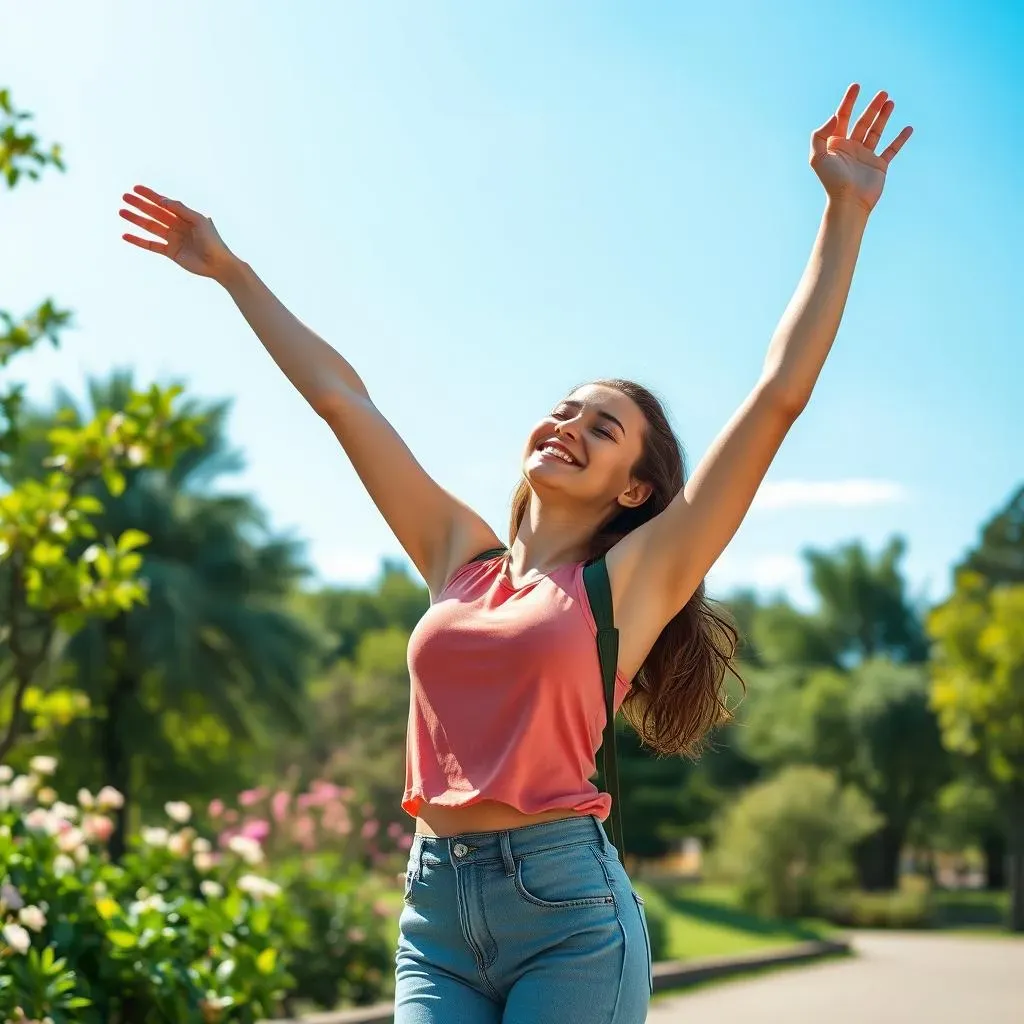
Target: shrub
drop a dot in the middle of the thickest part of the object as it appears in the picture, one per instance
(901, 909)
(786, 842)
(174, 932)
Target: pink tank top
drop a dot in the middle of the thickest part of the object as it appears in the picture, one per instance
(506, 701)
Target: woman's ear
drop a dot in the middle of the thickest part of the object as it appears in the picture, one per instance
(636, 495)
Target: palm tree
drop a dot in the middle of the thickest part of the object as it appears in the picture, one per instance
(213, 648)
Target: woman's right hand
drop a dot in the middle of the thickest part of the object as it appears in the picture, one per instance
(186, 237)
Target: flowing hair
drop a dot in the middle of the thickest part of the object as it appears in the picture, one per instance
(679, 693)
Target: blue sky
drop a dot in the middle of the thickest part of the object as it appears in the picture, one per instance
(483, 204)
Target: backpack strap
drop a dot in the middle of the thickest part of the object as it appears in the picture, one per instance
(599, 592)
(485, 555)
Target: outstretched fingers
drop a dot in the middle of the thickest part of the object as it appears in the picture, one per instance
(155, 227)
(147, 243)
(845, 110)
(867, 119)
(874, 133)
(897, 144)
(179, 210)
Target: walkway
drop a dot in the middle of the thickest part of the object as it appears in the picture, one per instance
(896, 978)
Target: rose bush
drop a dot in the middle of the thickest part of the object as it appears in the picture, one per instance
(177, 931)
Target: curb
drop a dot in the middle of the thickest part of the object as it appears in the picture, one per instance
(668, 974)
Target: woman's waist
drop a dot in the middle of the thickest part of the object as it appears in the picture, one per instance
(483, 816)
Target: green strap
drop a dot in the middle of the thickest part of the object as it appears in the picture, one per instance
(489, 553)
(599, 592)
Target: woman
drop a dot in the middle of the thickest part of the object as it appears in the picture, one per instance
(517, 906)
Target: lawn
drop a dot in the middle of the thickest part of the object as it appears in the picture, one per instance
(689, 920)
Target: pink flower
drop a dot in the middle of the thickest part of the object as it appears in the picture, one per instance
(249, 797)
(258, 830)
(97, 828)
(231, 817)
(216, 808)
(370, 828)
(394, 830)
(405, 842)
(279, 805)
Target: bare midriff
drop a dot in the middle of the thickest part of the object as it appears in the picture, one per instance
(485, 816)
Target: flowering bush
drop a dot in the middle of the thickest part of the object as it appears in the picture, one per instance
(321, 818)
(178, 931)
(337, 866)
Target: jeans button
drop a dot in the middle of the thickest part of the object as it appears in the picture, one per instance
(460, 850)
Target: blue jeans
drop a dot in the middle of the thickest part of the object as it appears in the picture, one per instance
(532, 925)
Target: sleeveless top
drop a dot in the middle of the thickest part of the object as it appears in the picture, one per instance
(506, 698)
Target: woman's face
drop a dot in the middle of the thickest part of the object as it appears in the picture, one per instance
(585, 449)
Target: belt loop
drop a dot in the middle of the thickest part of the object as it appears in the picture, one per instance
(506, 854)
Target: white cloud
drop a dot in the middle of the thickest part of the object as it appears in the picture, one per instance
(768, 574)
(837, 493)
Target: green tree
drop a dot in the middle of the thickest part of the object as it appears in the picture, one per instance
(786, 842)
(56, 571)
(871, 725)
(212, 663)
(978, 692)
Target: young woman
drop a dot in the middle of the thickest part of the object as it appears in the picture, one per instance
(517, 905)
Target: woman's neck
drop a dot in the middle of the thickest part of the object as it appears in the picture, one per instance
(550, 536)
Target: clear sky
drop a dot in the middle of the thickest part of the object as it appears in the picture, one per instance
(482, 204)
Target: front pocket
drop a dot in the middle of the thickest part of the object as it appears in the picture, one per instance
(407, 894)
(647, 939)
(566, 876)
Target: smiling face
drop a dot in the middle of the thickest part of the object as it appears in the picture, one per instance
(586, 449)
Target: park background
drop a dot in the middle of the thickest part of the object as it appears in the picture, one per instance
(480, 206)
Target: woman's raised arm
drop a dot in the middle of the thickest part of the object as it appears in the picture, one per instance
(437, 531)
(657, 567)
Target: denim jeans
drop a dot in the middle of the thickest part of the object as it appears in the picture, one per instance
(531, 925)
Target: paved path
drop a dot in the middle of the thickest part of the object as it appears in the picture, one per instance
(896, 978)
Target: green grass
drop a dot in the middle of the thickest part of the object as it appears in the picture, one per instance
(689, 920)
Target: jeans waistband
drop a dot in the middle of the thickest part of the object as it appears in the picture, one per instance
(514, 842)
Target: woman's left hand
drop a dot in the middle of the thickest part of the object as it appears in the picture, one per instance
(845, 159)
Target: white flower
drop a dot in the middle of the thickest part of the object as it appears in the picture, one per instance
(81, 853)
(91, 553)
(63, 865)
(22, 788)
(201, 845)
(16, 937)
(69, 840)
(109, 799)
(248, 849)
(32, 917)
(178, 811)
(68, 812)
(154, 902)
(258, 887)
(43, 765)
(204, 861)
(46, 796)
(85, 799)
(136, 454)
(6, 773)
(180, 843)
(154, 836)
(39, 819)
(5, 797)
(211, 889)
(58, 524)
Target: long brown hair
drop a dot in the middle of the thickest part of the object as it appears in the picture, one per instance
(679, 693)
